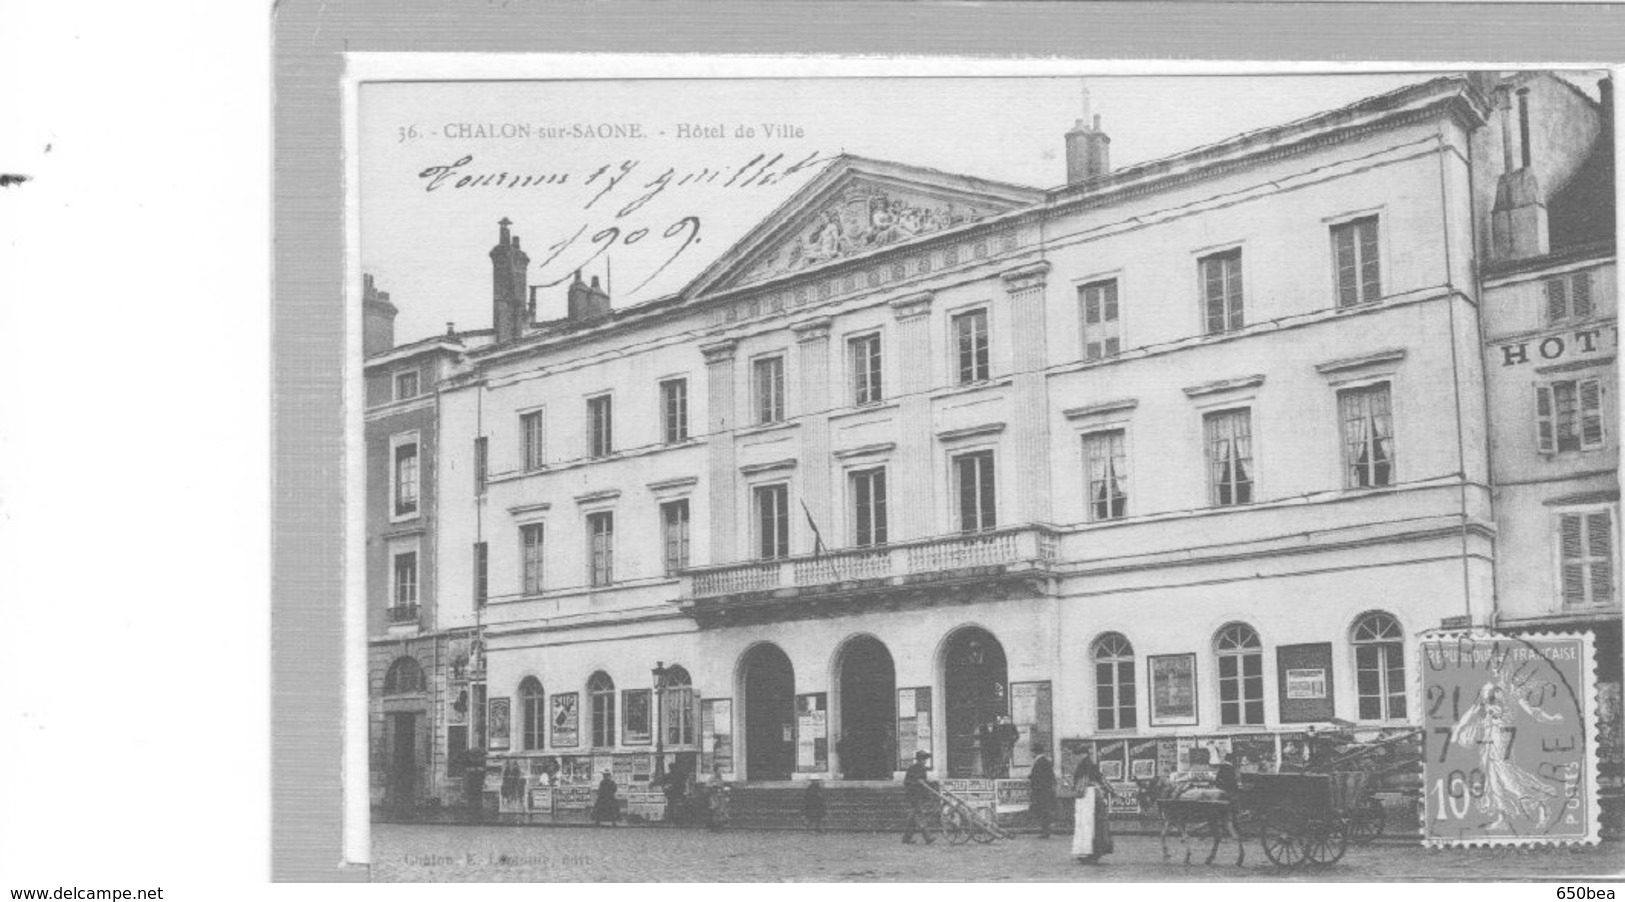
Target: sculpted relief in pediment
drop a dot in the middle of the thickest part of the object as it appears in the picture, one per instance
(862, 218)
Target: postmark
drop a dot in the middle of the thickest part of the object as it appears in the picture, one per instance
(1509, 746)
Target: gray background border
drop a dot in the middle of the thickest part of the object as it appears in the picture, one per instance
(307, 315)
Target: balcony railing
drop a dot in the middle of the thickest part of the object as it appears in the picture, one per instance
(402, 613)
(1018, 547)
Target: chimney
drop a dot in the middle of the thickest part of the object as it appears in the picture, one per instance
(587, 301)
(377, 318)
(510, 278)
(1088, 149)
(1518, 227)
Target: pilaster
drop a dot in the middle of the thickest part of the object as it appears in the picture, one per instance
(1029, 500)
(812, 392)
(719, 381)
(909, 486)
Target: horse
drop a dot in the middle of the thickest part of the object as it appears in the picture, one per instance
(1184, 806)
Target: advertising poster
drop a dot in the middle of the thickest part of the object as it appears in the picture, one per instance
(1030, 711)
(716, 737)
(1111, 757)
(1508, 752)
(1125, 798)
(1305, 682)
(566, 720)
(812, 733)
(913, 724)
(650, 806)
(496, 719)
(1011, 796)
(1173, 689)
(1142, 759)
(541, 800)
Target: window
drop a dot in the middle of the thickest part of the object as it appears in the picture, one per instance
(1568, 297)
(1221, 291)
(531, 539)
(404, 677)
(482, 582)
(1106, 468)
(772, 520)
(677, 707)
(532, 714)
(1102, 332)
(601, 693)
(406, 385)
(864, 353)
(869, 507)
(1379, 667)
(768, 388)
(1241, 675)
(1569, 415)
(635, 718)
(1368, 436)
(674, 534)
(601, 533)
(973, 483)
(970, 339)
(674, 410)
(405, 594)
(1230, 457)
(1354, 252)
(600, 426)
(406, 478)
(530, 426)
(1586, 551)
(1114, 683)
(481, 464)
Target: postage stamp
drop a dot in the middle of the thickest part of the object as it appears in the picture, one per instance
(1509, 755)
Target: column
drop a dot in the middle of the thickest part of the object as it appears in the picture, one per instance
(719, 381)
(910, 492)
(1028, 467)
(812, 393)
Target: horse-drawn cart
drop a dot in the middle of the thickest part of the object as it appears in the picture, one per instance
(1302, 818)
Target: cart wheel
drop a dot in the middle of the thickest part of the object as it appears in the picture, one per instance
(955, 826)
(981, 832)
(1366, 823)
(1283, 842)
(1327, 841)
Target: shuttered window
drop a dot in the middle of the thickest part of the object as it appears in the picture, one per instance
(1221, 292)
(1568, 415)
(1102, 332)
(601, 533)
(531, 541)
(1568, 297)
(1354, 245)
(973, 477)
(869, 507)
(1586, 550)
(970, 341)
(864, 353)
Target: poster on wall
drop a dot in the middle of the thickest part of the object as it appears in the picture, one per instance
(1030, 710)
(716, 735)
(913, 724)
(1112, 759)
(1508, 753)
(1305, 673)
(566, 720)
(1142, 759)
(812, 732)
(496, 720)
(1173, 689)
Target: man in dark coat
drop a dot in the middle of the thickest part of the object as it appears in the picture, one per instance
(1041, 781)
(474, 782)
(987, 746)
(604, 807)
(921, 801)
(1005, 734)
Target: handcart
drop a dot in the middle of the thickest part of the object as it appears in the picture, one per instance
(963, 822)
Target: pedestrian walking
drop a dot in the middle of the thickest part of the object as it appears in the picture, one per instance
(676, 788)
(604, 807)
(1091, 834)
(812, 805)
(921, 801)
(1041, 780)
(716, 800)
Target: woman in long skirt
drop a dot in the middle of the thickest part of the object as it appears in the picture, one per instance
(1091, 836)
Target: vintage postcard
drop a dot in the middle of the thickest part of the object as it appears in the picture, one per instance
(782, 467)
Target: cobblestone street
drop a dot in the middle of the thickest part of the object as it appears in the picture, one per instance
(412, 853)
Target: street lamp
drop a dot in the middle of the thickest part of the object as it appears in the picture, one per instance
(660, 720)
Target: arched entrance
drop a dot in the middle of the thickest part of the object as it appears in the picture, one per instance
(867, 682)
(768, 684)
(974, 680)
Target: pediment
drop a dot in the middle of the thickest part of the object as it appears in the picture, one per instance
(855, 208)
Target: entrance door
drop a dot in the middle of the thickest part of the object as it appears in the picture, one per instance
(974, 680)
(868, 685)
(403, 757)
(769, 688)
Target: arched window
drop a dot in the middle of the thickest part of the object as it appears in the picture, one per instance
(601, 690)
(532, 713)
(677, 707)
(1241, 675)
(404, 677)
(1379, 666)
(1114, 683)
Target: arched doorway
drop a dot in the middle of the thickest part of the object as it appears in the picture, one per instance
(768, 684)
(867, 682)
(974, 680)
